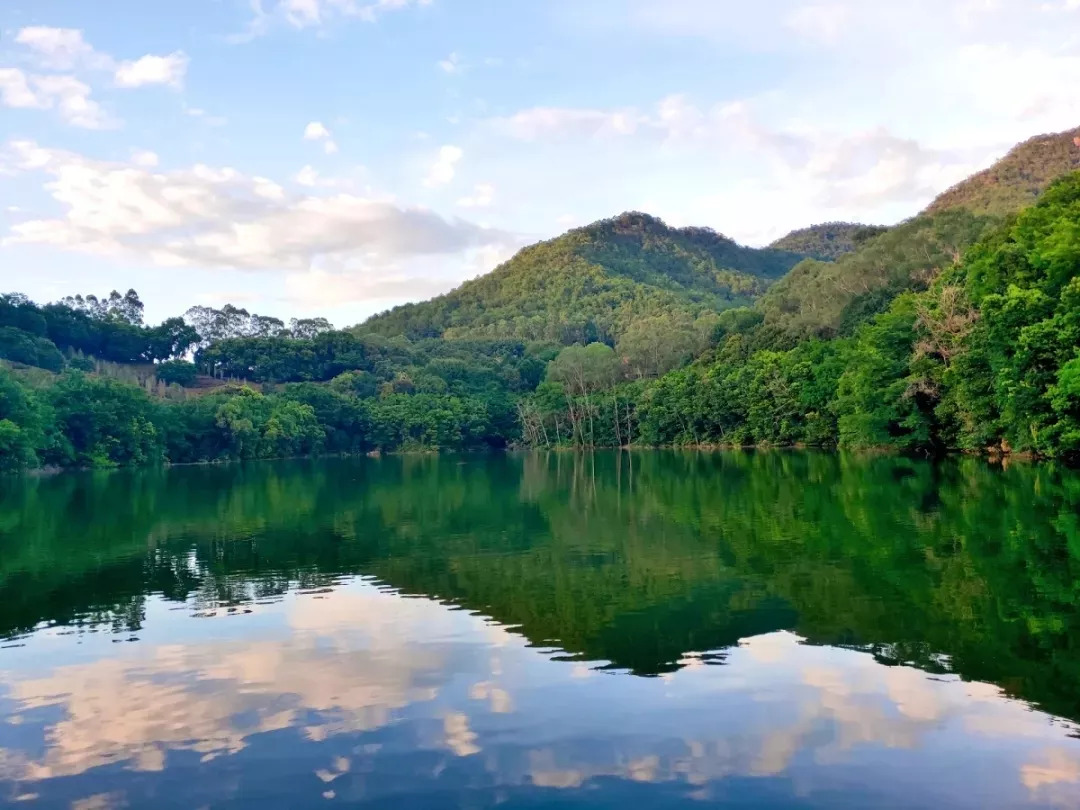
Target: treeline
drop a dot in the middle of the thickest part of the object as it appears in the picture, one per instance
(314, 390)
(985, 357)
(108, 329)
(93, 421)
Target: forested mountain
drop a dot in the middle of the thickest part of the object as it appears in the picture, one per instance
(829, 241)
(958, 329)
(827, 299)
(986, 357)
(1016, 180)
(592, 283)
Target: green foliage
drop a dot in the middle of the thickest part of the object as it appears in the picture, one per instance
(104, 422)
(109, 329)
(176, 372)
(593, 283)
(25, 347)
(1017, 180)
(829, 241)
(980, 354)
(827, 299)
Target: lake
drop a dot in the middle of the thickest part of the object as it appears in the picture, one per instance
(653, 629)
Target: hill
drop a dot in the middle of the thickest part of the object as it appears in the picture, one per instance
(826, 299)
(592, 282)
(829, 241)
(1015, 181)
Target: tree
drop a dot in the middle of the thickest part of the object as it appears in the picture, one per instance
(308, 328)
(584, 370)
(655, 345)
(176, 372)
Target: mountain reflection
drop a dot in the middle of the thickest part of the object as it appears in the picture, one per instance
(460, 631)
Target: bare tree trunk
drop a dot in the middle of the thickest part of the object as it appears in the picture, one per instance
(618, 430)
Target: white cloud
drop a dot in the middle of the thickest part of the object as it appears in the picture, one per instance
(318, 288)
(144, 158)
(445, 166)
(540, 123)
(317, 131)
(62, 48)
(483, 195)
(301, 14)
(307, 176)
(65, 94)
(1031, 86)
(823, 23)
(451, 64)
(15, 90)
(218, 217)
(168, 70)
(67, 49)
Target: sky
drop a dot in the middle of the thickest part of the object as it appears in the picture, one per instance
(339, 157)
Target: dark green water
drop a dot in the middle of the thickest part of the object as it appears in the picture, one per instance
(777, 630)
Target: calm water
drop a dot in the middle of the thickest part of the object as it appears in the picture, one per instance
(649, 630)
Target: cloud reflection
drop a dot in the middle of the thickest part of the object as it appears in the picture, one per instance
(371, 695)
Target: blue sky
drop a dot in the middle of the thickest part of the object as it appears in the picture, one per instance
(337, 157)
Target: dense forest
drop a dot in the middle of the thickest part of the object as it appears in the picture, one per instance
(955, 330)
(829, 241)
(594, 283)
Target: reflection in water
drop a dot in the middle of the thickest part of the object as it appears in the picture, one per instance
(826, 632)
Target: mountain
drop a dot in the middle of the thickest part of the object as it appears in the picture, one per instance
(825, 299)
(829, 241)
(591, 283)
(1015, 181)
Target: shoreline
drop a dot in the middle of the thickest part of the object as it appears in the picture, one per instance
(995, 456)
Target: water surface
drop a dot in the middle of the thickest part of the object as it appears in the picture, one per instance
(777, 630)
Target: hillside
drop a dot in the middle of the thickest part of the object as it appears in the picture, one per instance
(826, 299)
(592, 282)
(1015, 181)
(829, 241)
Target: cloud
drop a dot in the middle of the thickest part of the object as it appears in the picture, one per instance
(217, 217)
(823, 23)
(451, 64)
(62, 48)
(168, 70)
(144, 158)
(307, 176)
(67, 49)
(318, 288)
(301, 14)
(445, 166)
(65, 94)
(844, 169)
(317, 131)
(1031, 86)
(483, 195)
(542, 123)
(830, 168)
